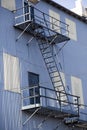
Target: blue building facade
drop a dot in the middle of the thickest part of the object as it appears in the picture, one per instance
(42, 67)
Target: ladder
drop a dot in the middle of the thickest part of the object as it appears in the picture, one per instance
(45, 47)
(46, 50)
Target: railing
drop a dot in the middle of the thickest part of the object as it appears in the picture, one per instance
(41, 18)
(47, 97)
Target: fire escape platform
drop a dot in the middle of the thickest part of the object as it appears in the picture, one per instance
(54, 112)
(41, 97)
(35, 27)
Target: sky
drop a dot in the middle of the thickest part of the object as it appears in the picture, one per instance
(70, 3)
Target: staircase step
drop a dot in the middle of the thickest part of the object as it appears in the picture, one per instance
(58, 90)
(58, 86)
(52, 72)
(44, 48)
(48, 57)
(56, 74)
(53, 77)
(51, 63)
(48, 62)
(56, 81)
(51, 67)
(46, 52)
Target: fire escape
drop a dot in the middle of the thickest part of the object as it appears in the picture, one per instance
(47, 33)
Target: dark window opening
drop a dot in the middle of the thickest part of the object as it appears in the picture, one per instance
(34, 88)
(28, 11)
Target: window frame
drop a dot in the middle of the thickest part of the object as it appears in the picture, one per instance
(34, 91)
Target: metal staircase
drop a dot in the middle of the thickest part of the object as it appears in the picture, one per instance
(46, 39)
(45, 46)
(46, 50)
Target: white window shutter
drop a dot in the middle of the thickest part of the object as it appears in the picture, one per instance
(11, 73)
(72, 29)
(8, 4)
(77, 88)
(54, 20)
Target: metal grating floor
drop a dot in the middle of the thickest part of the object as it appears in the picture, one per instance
(54, 112)
(31, 29)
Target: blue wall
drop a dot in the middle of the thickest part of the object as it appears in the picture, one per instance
(72, 57)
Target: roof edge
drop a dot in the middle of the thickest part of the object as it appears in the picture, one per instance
(58, 6)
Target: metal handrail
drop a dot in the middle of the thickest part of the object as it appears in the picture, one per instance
(30, 87)
(38, 11)
(65, 28)
(48, 97)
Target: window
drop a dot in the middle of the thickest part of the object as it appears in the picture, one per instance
(72, 29)
(33, 88)
(28, 11)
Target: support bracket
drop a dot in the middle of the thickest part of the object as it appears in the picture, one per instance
(23, 32)
(31, 116)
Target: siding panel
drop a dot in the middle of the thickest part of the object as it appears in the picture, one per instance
(10, 110)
